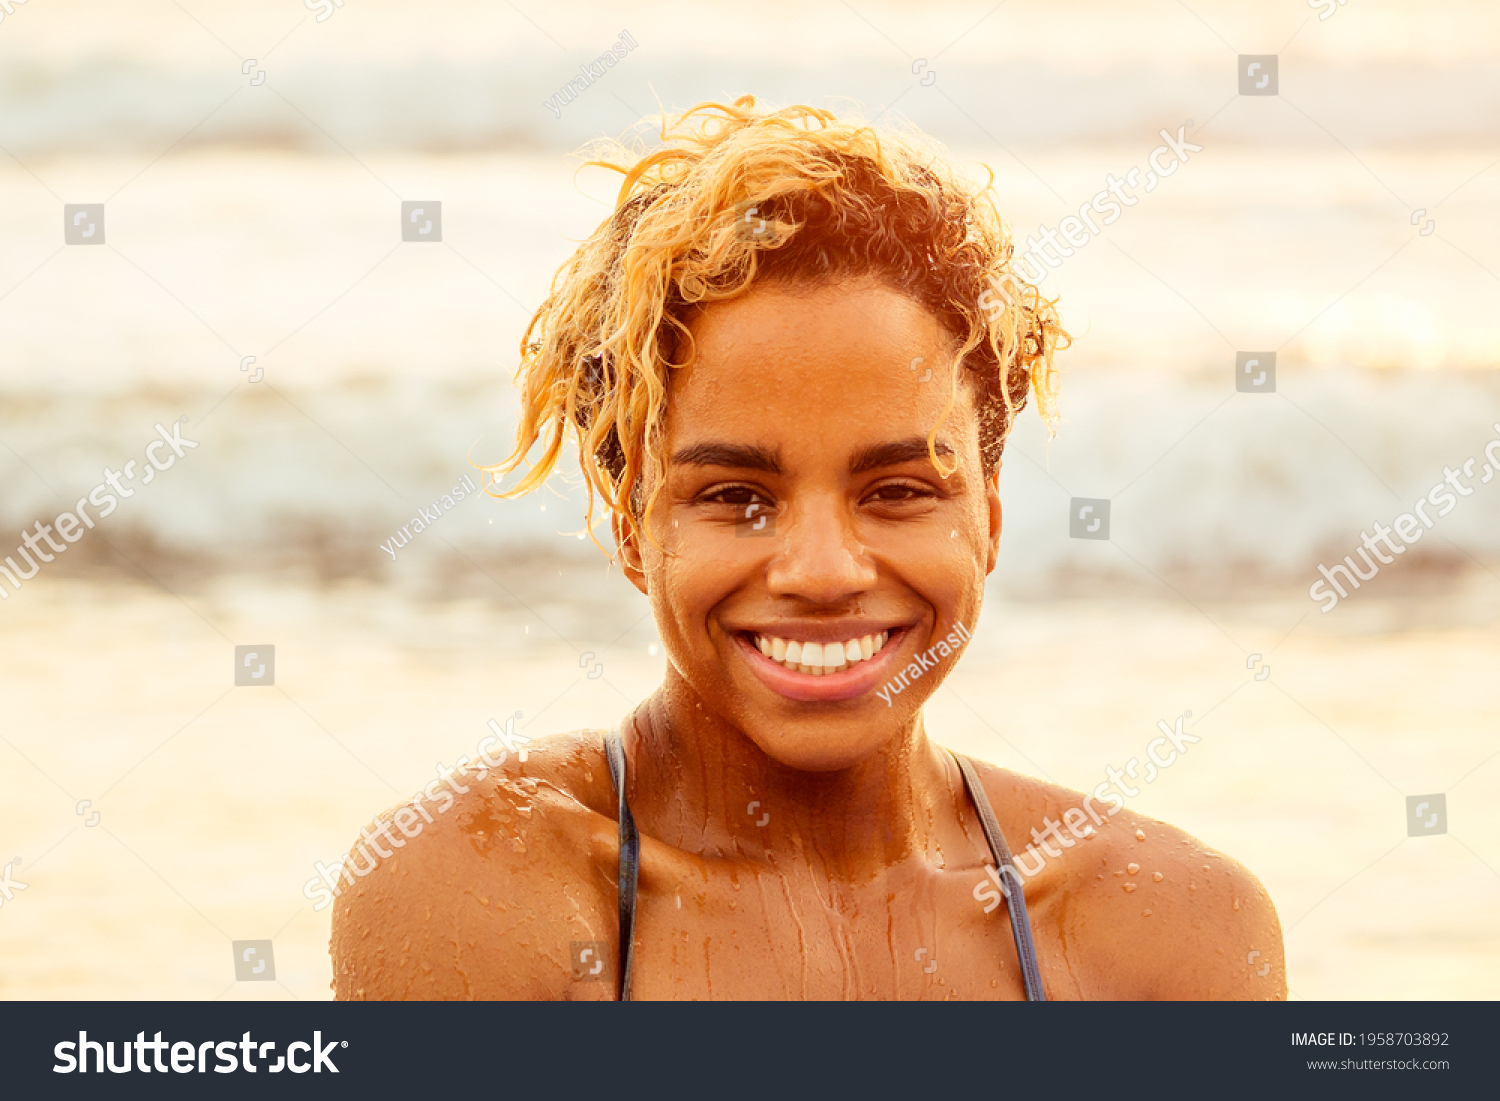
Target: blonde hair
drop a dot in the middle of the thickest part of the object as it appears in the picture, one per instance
(826, 199)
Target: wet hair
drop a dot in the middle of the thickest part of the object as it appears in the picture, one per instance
(734, 197)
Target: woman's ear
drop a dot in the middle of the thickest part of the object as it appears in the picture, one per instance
(629, 548)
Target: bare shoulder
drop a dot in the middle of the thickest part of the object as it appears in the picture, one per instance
(475, 890)
(1140, 908)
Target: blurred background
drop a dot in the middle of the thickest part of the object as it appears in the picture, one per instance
(252, 161)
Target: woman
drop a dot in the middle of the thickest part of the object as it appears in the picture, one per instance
(790, 360)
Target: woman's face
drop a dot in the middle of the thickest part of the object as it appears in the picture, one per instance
(801, 506)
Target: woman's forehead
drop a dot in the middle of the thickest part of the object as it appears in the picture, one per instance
(860, 363)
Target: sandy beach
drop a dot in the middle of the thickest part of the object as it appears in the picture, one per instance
(215, 802)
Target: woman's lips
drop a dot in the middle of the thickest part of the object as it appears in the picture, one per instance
(805, 687)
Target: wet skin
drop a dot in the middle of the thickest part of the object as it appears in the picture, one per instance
(801, 402)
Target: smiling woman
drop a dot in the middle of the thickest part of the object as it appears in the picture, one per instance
(812, 522)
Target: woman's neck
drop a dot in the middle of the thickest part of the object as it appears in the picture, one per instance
(699, 783)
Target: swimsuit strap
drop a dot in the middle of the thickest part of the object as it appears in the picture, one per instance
(1015, 899)
(630, 863)
(630, 860)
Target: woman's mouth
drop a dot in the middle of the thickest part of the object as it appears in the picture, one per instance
(820, 658)
(807, 671)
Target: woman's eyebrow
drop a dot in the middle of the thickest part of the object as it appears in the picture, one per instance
(755, 457)
(744, 456)
(894, 454)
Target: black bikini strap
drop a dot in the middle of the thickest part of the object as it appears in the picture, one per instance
(1015, 898)
(630, 860)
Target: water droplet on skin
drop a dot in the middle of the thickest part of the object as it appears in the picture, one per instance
(1128, 887)
(1140, 835)
(679, 903)
(1156, 877)
(1118, 874)
(1236, 904)
(1205, 867)
(484, 901)
(517, 844)
(1145, 913)
(1132, 868)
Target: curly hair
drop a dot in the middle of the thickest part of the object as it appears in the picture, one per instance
(827, 199)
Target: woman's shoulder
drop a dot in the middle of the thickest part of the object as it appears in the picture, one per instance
(475, 887)
(1153, 911)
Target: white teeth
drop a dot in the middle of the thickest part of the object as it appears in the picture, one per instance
(820, 658)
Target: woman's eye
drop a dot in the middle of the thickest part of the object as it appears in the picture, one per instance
(900, 492)
(736, 495)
